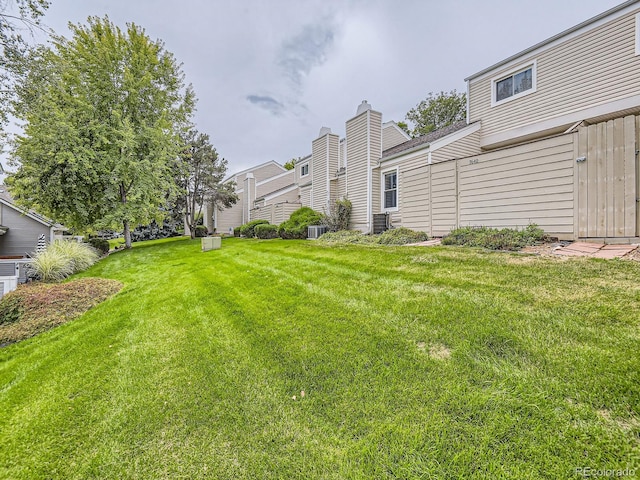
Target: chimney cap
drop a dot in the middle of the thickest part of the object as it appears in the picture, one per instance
(363, 107)
(324, 131)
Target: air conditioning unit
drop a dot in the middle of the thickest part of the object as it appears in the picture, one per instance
(314, 231)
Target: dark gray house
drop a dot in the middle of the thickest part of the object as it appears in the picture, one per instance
(20, 229)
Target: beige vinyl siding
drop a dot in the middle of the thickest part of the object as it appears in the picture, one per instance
(320, 173)
(263, 213)
(375, 137)
(405, 163)
(593, 68)
(266, 171)
(443, 198)
(282, 212)
(326, 151)
(292, 196)
(338, 188)
(298, 167)
(469, 145)
(514, 187)
(357, 154)
(416, 199)
(276, 183)
(305, 196)
(229, 218)
(342, 161)
(392, 137)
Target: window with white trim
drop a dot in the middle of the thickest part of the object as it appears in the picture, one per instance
(304, 170)
(519, 82)
(390, 192)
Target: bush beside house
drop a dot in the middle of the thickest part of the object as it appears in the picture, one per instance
(248, 229)
(299, 221)
(266, 231)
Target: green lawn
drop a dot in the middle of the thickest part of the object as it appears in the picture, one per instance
(415, 362)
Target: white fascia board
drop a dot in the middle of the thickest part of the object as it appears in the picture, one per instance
(561, 120)
(455, 136)
(275, 177)
(586, 26)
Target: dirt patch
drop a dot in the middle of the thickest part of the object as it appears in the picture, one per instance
(437, 351)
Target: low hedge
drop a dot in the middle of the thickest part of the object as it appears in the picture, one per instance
(401, 236)
(396, 236)
(298, 223)
(266, 231)
(496, 239)
(248, 229)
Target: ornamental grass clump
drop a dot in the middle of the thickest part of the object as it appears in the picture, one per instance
(62, 259)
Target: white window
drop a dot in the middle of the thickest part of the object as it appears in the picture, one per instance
(390, 191)
(304, 170)
(517, 83)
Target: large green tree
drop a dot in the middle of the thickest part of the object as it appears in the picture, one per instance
(200, 174)
(103, 114)
(434, 112)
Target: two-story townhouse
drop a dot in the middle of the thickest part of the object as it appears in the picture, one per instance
(551, 138)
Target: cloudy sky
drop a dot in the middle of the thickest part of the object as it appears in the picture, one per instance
(270, 73)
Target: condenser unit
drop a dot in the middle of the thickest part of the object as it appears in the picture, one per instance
(314, 231)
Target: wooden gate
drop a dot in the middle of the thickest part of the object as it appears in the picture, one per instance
(606, 179)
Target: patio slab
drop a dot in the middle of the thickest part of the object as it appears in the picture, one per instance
(596, 250)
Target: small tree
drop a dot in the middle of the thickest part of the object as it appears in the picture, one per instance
(200, 175)
(338, 216)
(291, 164)
(435, 112)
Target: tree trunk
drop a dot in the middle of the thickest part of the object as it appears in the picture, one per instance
(127, 235)
(127, 230)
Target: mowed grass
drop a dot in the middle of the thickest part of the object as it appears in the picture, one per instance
(415, 363)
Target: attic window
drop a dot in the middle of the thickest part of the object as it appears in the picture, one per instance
(517, 83)
(304, 170)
